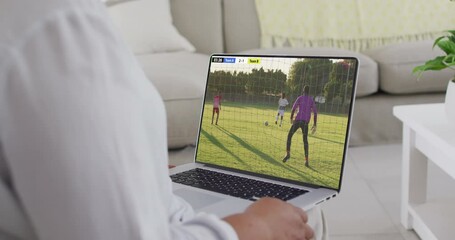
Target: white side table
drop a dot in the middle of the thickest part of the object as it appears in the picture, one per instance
(427, 135)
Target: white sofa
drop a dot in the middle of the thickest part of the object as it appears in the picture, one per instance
(232, 26)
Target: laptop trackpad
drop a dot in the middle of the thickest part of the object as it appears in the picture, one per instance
(197, 199)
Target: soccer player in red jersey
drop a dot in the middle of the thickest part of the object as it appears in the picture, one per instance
(216, 107)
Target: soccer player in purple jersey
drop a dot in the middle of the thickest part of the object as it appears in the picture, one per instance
(305, 105)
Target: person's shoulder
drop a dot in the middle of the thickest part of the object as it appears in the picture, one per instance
(20, 22)
(21, 25)
(298, 100)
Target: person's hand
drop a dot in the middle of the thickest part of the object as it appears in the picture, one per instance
(271, 219)
(283, 220)
(170, 166)
(313, 129)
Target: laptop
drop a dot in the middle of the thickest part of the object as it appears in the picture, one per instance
(248, 148)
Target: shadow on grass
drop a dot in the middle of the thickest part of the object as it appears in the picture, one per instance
(250, 148)
(309, 178)
(327, 183)
(218, 144)
(263, 155)
(344, 115)
(300, 133)
(325, 139)
(243, 105)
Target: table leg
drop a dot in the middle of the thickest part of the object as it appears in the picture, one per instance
(414, 176)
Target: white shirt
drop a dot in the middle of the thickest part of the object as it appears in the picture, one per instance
(282, 103)
(83, 148)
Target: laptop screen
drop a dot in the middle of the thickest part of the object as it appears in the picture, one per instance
(281, 117)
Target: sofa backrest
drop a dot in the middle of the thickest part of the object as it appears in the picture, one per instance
(200, 21)
(216, 26)
(241, 25)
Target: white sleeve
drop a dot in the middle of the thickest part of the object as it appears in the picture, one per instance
(84, 134)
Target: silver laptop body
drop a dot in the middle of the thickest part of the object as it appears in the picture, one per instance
(241, 132)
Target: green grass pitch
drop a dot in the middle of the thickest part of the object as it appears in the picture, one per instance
(242, 141)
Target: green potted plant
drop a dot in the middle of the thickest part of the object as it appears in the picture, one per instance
(447, 44)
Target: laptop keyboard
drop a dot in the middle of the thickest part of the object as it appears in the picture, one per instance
(234, 185)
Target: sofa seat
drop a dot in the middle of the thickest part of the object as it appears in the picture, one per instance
(180, 78)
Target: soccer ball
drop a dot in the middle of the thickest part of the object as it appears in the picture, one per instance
(266, 123)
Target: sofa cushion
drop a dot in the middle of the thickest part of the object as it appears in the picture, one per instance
(201, 22)
(241, 25)
(368, 70)
(180, 79)
(396, 62)
(147, 26)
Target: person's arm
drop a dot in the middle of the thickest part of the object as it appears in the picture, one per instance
(269, 219)
(84, 134)
(292, 115)
(315, 113)
(294, 107)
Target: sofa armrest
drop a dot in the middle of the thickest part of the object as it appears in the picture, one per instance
(200, 21)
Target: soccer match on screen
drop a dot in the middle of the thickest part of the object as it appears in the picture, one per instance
(283, 117)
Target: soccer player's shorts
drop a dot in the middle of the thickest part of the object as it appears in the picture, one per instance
(216, 110)
(281, 112)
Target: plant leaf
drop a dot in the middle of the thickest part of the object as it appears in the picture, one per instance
(449, 60)
(437, 40)
(434, 64)
(447, 46)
